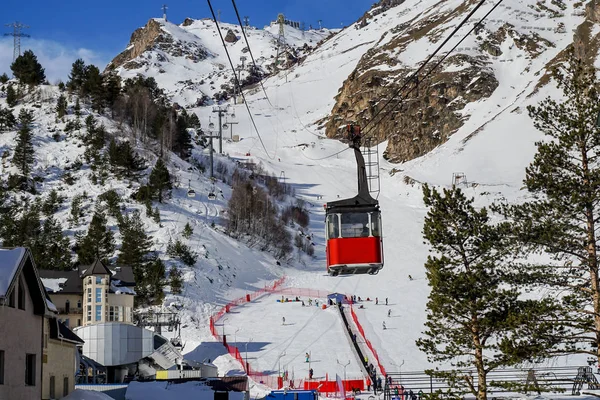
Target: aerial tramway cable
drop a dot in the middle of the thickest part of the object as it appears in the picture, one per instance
(415, 75)
(249, 50)
(237, 82)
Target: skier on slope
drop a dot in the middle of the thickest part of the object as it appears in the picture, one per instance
(310, 373)
(307, 357)
(384, 325)
(283, 321)
(389, 312)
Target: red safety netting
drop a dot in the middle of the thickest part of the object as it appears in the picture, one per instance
(367, 341)
(273, 381)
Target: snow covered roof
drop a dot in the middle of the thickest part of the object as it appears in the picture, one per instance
(53, 284)
(10, 259)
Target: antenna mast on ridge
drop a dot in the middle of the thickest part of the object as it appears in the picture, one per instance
(17, 34)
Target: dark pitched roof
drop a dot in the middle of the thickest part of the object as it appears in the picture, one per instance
(73, 284)
(97, 268)
(25, 266)
(59, 331)
(125, 275)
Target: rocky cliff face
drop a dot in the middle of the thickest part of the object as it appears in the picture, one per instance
(436, 107)
(153, 37)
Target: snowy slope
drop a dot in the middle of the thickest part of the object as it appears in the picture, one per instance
(185, 78)
(492, 149)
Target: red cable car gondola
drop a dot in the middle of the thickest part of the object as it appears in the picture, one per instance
(353, 226)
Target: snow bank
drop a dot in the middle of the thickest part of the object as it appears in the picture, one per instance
(79, 394)
(175, 391)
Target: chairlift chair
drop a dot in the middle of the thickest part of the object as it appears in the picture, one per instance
(191, 192)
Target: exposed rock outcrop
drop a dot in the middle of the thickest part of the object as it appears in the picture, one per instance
(154, 37)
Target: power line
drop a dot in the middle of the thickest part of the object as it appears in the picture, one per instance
(249, 50)
(329, 156)
(237, 81)
(415, 75)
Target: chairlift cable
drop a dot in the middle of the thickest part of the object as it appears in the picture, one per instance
(415, 74)
(249, 51)
(237, 81)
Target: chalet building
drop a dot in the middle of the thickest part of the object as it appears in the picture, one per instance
(92, 294)
(37, 353)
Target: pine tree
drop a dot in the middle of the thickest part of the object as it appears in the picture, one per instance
(160, 179)
(77, 108)
(7, 119)
(183, 140)
(187, 231)
(562, 218)
(475, 317)
(175, 280)
(3, 78)
(11, 96)
(27, 69)
(98, 243)
(136, 246)
(155, 281)
(93, 86)
(112, 89)
(54, 247)
(77, 76)
(61, 106)
(23, 156)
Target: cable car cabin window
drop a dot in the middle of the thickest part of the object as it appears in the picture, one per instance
(333, 226)
(355, 225)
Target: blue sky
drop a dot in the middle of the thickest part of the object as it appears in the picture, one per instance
(62, 31)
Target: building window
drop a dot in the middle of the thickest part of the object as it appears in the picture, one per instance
(89, 295)
(78, 303)
(98, 295)
(52, 387)
(89, 313)
(1, 367)
(67, 307)
(98, 313)
(78, 321)
(66, 386)
(98, 280)
(21, 295)
(11, 299)
(111, 313)
(67, 322)
(30, 369)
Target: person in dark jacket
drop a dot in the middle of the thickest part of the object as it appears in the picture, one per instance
(310, 373)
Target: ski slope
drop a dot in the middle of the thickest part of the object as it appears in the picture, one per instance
(493, 148)
(274, 346)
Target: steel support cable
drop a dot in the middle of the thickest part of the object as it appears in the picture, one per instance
(238, 82)
(415, 74)
(249, 51)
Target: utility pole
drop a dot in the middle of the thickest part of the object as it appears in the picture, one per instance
(319, 21)
(219, 15)
(280, 38)
(164, 9)
(221, 111)
(210, 148)
(17, 35)
(303, 28)
(246, 21)
(344, 384)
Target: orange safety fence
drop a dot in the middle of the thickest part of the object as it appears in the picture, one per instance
(274, 381)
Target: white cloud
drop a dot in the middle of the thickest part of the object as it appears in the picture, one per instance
(55, 57)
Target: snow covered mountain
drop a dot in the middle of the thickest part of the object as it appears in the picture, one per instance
(468, 118)
(189, 62)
